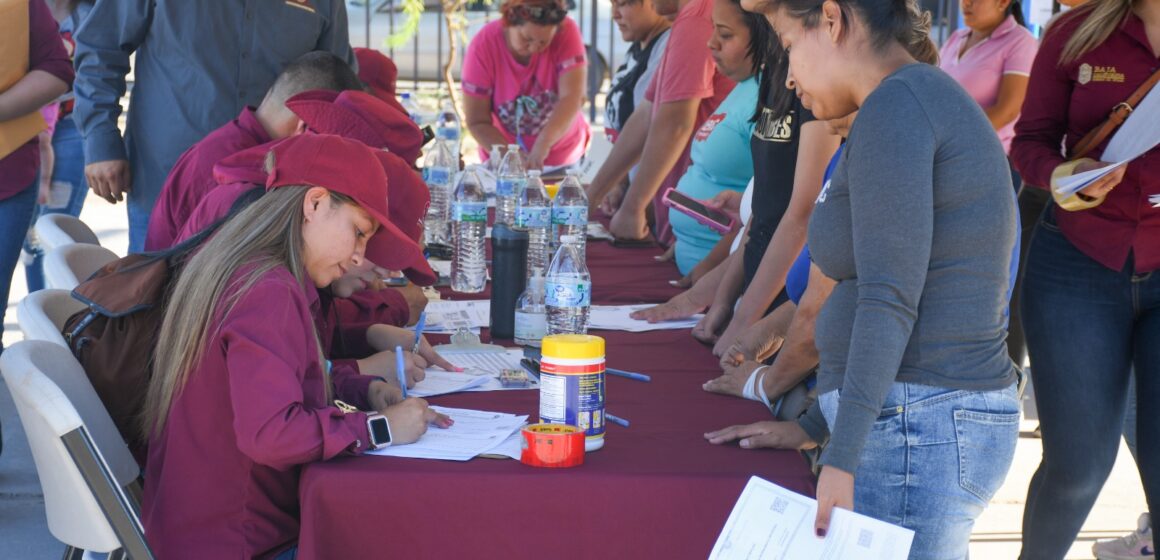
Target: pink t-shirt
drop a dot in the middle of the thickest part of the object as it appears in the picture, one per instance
(523, 96)
(686, 71)
(1009, 50)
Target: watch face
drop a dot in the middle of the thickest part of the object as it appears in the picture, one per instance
(380, 434)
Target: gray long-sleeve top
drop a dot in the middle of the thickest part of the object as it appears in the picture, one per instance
(199, 63)
(917, 226)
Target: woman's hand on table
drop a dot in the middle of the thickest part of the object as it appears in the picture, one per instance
(727, 338)
(711, 324)
(680, 306)
(835, 488)
(387, 337)
(409, 420)
(755, 344)
(629, 224)
(770, 434)
(382, 364)
(733, 379)
(613, 198)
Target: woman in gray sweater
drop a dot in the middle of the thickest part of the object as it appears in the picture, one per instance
(918, 226)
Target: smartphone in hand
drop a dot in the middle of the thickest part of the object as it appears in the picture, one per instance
(715, 219)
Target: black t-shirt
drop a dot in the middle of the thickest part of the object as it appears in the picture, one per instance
(774, 145)
(620, 103)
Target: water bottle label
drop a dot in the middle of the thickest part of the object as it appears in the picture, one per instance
(533, 216)
(568, 293)
(469, 212)
(509, 187)
(447, 133)
(531, 326)
(437, 175)
(570, 215)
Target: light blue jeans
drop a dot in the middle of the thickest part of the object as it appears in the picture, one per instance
(69, 189)
(933, 460)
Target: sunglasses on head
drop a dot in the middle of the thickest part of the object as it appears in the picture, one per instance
(549, 14)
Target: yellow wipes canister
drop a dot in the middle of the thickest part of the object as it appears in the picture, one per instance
(572, 384)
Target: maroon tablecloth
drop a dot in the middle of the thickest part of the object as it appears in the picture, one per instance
(656, 490)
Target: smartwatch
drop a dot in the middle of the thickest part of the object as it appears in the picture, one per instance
(380, 431)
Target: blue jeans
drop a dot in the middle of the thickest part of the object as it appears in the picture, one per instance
(933, 460)
(1086, 326)
(15, 215)
(69, 190)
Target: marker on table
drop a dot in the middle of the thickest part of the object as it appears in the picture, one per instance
(615, 419)
(628, 374)
(401, 369)
(419, 331)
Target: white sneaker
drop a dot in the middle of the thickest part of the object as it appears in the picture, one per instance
(1136, 545)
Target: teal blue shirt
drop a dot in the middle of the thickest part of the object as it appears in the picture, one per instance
(721, 160)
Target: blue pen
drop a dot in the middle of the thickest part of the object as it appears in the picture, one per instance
(401, 369)
(628, 374)
(419, 331)
(615, 419)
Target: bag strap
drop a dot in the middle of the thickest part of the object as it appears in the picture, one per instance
(1116, 118)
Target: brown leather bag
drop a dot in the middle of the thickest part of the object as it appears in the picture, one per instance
(1116, 118)
(115, 337)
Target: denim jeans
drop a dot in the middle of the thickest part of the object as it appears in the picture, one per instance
(1086, 326)
(69, 190)
(15, 215)
(933, 459)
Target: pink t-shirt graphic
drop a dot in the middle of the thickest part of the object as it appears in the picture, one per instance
(523, 96)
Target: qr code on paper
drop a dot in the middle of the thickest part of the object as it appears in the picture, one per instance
(865, 538)
(779, 505)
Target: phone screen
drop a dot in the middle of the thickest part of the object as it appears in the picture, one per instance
(698, 207)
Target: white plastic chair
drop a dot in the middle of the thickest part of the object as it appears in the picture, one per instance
(67, 266)
(75, 448)
(58, 230)
(41, 314)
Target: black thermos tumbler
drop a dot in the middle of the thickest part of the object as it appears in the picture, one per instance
(509, 266)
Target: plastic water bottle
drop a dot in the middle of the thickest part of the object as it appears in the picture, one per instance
(534, 214)
(509, 182)
(570, 212)
(447, 128)
(411, 106)
(439, 170)
(531, 315)
(468, 221)
(568, 291)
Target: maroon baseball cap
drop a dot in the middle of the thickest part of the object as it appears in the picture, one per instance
(351, 168)
(410, 199)
(360, 116)
(377, 71)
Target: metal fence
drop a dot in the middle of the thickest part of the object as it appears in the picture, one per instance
(420, 60)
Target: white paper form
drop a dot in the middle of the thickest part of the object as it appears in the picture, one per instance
(481, 373)
(1154, 200)
(448, 316)
(1139, 133)
(770, 522)
(474, 432)
(617, 318)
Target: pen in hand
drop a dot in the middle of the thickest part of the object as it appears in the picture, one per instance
(419, 331)
(401, 370)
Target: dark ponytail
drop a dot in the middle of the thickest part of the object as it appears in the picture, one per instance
(1015, 9)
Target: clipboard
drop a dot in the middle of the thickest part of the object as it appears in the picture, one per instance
(14, 37)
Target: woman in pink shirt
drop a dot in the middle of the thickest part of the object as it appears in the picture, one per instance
(242, 398)
(524, 78)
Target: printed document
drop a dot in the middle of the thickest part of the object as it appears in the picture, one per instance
(481, 373)
(474, 432)
(617, 318)
(449, 316)
(1139, 134)
(770, 522)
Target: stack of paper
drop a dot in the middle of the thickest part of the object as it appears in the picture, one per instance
(1138, 135)
(481, 373)
(617, 318)
(449, 316)
(769, 521)
(473, 433)
(1155, 200)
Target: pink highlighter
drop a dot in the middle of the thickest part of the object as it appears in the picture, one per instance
(716, 220)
